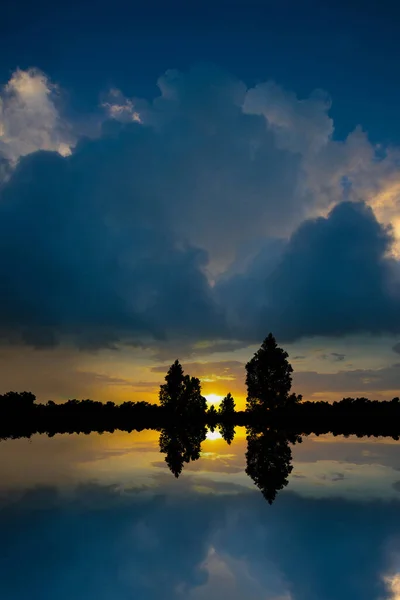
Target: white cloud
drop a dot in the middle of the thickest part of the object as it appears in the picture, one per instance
(392, 583)
(29, 117)
(230, 577)
(120, 108)
(299, 125)
(330, 169)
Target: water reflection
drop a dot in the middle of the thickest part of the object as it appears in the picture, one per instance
(269, 460)
(113, 535)
(181, 444)
(268, 455)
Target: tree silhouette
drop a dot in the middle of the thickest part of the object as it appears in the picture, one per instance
(171, 391)
(269, 378)
(227, 432)
(181, 394)
(181, 444)
(227, 418)
(268, 460)
(227, 406)
(14, 402)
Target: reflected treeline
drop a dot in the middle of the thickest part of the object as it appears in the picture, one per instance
(181, 445)
(268, 455)
(275, 417)
(269, 459)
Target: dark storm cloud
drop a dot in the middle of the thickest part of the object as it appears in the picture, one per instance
(73, 264)
(333, 278)
(100, 246)
(113, 243)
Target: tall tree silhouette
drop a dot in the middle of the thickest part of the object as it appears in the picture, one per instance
(181, 444)
(171, 392)
(268, 460)
(181, 394)
(227, 418)
(269, 378)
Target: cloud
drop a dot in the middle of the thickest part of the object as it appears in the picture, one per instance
(334, 277)
(110, 544)
(118, 107)
(105, 544)
(298, 125)
(334, 356)
(83, 264)
(173, 225)
(360, 381)
(29, 117)
(225, 370)
(396, 348)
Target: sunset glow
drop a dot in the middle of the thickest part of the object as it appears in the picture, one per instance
(213, 398)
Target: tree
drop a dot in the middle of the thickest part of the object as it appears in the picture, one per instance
(14, 402)
(171, 391)
(181, 394)
(227, 414)
(269, 378)
(227, 406)
(212, 413)
(193, 404)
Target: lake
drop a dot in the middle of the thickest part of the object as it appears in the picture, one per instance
(102, 516)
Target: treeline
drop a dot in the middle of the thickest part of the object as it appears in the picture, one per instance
(270, 403)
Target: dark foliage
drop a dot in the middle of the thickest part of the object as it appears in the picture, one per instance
(268, 460)
(269, 378)
(181, 394)
(181, 444)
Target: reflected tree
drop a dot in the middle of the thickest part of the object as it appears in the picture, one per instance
(227, 432)
(268, 460)
(181, 444)
(227, 418)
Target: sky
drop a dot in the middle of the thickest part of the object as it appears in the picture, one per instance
(178, 180)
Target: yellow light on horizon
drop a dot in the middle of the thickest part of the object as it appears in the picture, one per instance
(213, 435)
(213, 398)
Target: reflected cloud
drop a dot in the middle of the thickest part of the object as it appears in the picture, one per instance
(109, 543)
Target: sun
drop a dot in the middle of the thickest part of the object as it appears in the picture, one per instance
(213, 435)
(213, 398)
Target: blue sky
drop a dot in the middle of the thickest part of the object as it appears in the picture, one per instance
(348, 49)
(179, 180)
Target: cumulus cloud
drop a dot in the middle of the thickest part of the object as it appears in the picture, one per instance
(175, 221)
(29, 117)
(334, 277)
(118, 107)
(74, 265)
(302, 126)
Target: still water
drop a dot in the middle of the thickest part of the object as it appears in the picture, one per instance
(103, 517)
